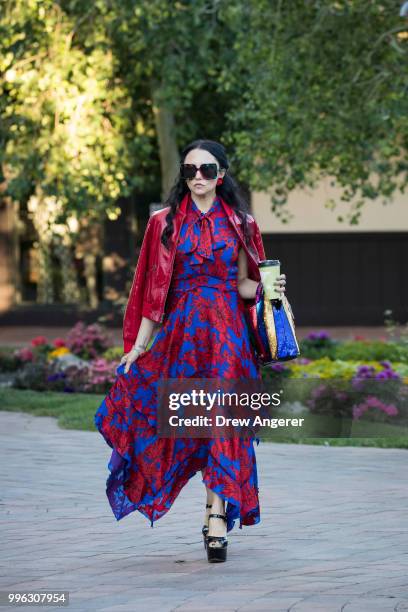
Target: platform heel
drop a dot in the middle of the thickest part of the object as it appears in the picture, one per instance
(204, 530)
(217, 554)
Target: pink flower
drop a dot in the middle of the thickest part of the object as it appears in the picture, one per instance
(88, 341)
(374, 402)
(58, 342)
(102, 371)
(24, 354)
(38, 340)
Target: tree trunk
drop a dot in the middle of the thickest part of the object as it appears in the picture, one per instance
(45, 288)
(89, 247)
(69, 282)
(90, 272)
(41, 212)
(10, 275)
(9, 254)
(166, 135)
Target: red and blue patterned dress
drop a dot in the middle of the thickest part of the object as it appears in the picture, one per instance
(204, 334)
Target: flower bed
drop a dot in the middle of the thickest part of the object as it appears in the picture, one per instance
(85, 361)
(354, 379)
(323, 380)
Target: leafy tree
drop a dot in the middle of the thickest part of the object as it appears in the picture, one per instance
(168, 56)
(65, 120)
(298, 91)
(319, 89)
(97, 99)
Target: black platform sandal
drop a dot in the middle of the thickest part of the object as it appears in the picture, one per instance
(204, 530)
(217, 554)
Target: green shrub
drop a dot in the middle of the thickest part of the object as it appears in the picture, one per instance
(9, 362)
(316, 349)
(113, 354)
(353, 350)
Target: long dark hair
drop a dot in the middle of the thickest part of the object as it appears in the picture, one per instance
(228, 190)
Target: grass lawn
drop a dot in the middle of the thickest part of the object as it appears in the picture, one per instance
(358, 433)
(72, 410)
(76, 411)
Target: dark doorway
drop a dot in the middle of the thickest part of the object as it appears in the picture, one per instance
(343, 279)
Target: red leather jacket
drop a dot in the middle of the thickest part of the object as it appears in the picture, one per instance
(154, 268)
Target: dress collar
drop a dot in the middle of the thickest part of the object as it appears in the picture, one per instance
(200, 231)
(214, 206)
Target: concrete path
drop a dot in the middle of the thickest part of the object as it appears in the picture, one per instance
(333, 534)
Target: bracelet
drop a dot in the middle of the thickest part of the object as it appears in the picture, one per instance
(142, 346)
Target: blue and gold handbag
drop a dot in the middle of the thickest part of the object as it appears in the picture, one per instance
(271, 326)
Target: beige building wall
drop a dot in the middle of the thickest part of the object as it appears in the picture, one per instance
(311, 215)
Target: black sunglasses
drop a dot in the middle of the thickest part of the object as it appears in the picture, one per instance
(208, 171)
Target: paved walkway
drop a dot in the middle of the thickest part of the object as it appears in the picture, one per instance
(333, 535)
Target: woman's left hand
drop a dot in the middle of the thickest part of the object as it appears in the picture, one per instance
(280, 283)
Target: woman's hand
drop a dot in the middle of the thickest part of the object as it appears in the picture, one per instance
(131, 356)
(280, 284)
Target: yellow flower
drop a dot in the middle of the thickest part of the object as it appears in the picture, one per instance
(326, 368)
(61, 350)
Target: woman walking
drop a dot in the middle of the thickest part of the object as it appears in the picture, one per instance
(196, 268)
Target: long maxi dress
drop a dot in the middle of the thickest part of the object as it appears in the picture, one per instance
(204, 334)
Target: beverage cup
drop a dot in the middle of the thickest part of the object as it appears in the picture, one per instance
(270, 270)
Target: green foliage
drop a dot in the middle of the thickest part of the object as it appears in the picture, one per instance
(76, 411)
(372, 351)
(9, 362)
(64, 115)
(319, 347)
(113, 354)
(354, 350)
(324, 367)
(33, 375)
(171, 56)
(319, 89)
(73, 410)
(297, 91)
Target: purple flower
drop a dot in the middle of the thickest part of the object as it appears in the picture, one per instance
(365, 371)
(318, 391)
(342, 396)
(357, 383)
(56, 376)
(319, 335)
(278, 367)
(385, 374)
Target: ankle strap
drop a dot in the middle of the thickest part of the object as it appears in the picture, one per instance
(222, 516)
